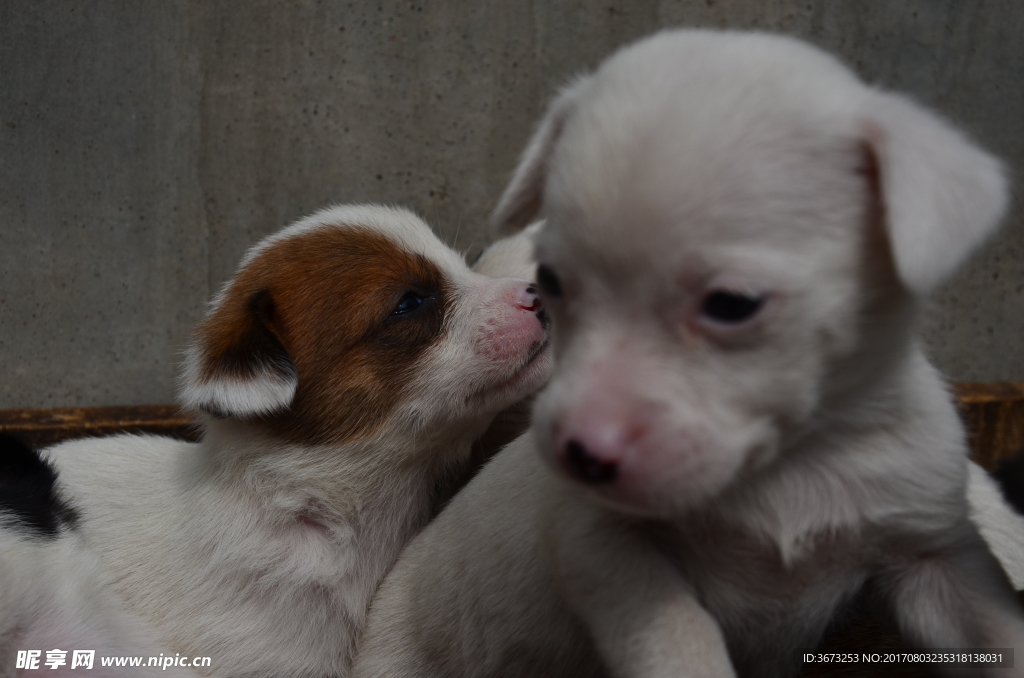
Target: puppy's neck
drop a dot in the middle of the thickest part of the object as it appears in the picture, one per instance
(386, 477)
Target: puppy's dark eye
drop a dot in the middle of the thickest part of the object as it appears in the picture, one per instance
(409, 303)
(548, 282)
(731, 307)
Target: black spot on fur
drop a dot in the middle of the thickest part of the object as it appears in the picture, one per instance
(28, 496)
(1010, 476)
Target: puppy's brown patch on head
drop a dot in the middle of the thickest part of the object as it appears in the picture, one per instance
(342, 309)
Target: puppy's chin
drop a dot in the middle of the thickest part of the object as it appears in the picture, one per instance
(523, 380)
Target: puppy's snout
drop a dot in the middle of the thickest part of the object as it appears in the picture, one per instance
(515, 324)
(586, 467)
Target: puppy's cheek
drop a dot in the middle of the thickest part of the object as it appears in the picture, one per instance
(685, 478)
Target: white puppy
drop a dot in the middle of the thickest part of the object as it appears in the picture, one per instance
(339, 376)
(743, 429)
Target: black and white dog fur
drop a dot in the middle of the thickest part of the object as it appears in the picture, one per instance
(742, 431)
(339, 377)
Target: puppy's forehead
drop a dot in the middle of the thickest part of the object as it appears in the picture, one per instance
(400, 227)
(703, 142)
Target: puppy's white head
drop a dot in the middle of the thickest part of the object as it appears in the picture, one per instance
(357, 323)
(737, 231)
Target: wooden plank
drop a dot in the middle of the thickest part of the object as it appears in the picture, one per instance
(42, 427)
(994, 416)
(993, 413)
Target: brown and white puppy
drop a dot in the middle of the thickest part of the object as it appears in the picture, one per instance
(742, 431)
(339, 376)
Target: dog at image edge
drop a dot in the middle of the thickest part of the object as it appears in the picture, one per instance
(742, 432)
(340, 376)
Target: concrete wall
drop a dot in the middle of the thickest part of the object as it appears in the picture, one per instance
(145, 145)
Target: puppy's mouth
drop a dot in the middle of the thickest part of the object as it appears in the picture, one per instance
(525, 372)
(532, 357)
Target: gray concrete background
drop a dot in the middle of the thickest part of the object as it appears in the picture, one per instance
(144, 145)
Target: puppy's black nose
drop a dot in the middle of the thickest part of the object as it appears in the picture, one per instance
(587, 467)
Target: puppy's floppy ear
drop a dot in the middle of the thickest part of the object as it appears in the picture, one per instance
(941, 194)
(522, 200)
(238, 366)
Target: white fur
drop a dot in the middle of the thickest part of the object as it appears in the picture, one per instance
(511, 257)
(53, 596)
(264, 393)
(263, 553)
(938, 187)
(766, 469)
(999, 524)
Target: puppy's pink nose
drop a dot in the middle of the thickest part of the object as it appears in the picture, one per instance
(594, 448)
